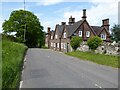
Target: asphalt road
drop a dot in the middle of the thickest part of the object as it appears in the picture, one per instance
(50, 69)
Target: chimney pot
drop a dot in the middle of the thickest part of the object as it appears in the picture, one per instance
(84, 14)
(71, 20)
(63, 23)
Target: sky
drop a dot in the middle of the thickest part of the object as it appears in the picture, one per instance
(52, 12)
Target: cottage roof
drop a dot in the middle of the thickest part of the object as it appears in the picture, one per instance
(97, 29)
(72, 28)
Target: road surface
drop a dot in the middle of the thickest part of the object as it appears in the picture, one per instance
(50, 69)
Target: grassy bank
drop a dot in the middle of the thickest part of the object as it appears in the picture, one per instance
(97, 58)
(12, 58)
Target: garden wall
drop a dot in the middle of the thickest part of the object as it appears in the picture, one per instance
(106, 48)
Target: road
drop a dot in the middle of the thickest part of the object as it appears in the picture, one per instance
(50, 69)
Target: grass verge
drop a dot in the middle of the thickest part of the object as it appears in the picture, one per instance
(97, 58)
(12, 59)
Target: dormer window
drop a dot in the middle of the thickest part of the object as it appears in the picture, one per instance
(56, 36)
(64, 36)
(80, 33)
(103, 36)
(87, 33)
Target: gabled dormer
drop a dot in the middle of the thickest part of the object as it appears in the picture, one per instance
(56, 33)
(64, 33)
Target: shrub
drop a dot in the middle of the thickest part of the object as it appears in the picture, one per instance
(94, 42)
(75, 42)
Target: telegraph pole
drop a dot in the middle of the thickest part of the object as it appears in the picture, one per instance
(25, 22)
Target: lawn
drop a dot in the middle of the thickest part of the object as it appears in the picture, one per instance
(97, 58)
(12, 59)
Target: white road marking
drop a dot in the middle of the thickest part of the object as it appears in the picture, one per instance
(25, 59)
(23, 66)
(98, 86)
(21, 82)
(48, 56)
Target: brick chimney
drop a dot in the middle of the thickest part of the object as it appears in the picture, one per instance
(71, 20)
(48, 30)
(84, 14)
(105, 23)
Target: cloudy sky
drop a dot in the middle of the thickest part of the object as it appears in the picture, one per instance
(52, 12)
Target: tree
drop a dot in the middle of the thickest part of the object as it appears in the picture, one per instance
(115, 36)
(75, 42)
(21, 21)
(94, 42)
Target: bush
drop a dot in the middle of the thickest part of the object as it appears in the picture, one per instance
(94, 42)
(75, 42)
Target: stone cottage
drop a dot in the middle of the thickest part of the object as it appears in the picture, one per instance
(59, 39)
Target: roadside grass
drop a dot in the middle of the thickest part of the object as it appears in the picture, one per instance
(97, 58)
(12, 59)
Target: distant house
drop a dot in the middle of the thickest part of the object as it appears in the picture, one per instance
(59, 39)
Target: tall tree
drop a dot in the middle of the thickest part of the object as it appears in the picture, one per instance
(20, 22)
(115, 36)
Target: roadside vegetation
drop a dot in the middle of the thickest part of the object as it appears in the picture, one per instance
(12, 59)
(97, 58)
(75, 42)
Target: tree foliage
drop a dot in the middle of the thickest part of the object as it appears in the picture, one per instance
(94, 42)
(75, 42)
(115, 36)
(21, 21)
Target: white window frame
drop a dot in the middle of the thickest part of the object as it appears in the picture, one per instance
(61, 45)
(103, 36)
(64, 35)
(87, 33)
(56, 36)
(57, 45)
(51, 44)
(54, 44)
(80, 33)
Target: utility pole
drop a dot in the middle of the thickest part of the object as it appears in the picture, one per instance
(25, 22)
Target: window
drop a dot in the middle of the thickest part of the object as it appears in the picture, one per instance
(103, 36)
(80, 33)
(56, 36)
(57, 45)
(54, 44)
(62, 45)
(51, 37)
(87, 34)
(51, 44)
(64, 35)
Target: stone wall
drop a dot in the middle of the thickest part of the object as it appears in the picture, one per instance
(105, 48)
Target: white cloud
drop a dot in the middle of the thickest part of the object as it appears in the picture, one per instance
(49, 2)
(97, 12)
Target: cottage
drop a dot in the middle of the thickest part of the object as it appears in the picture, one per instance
(59, 39)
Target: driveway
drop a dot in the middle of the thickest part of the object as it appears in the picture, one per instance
(50, 69)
